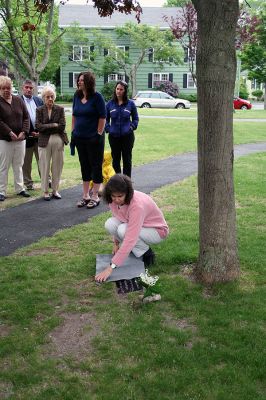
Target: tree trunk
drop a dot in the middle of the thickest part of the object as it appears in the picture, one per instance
(265, 96)
(216, 73)
(133, 80)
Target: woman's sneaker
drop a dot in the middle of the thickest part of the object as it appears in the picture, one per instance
(148, 257)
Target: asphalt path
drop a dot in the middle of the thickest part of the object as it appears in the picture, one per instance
(36, 219)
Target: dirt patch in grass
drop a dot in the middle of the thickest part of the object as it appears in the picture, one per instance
(168, 208)
(6, 390)
(238, 205)
(43, 251)
(187, 271)
(73, 337)
(207, 292)
(183, 323)
(4, 331)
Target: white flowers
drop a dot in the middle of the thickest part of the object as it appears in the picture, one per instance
(152, 287)
(147, 279)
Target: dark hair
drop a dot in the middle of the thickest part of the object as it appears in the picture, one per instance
(119, 183)
(125, 97)
(28, 82)
(89, 83)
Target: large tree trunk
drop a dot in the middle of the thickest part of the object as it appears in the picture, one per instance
(265, 96)
(216, 72)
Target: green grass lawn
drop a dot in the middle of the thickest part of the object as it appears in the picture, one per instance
(64, 337)
(239, 114)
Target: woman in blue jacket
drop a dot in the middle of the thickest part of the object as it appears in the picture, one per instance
(122, 119)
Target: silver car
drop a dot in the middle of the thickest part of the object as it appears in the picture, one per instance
(157, 99)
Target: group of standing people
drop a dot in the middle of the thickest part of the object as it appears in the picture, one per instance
(29, 125)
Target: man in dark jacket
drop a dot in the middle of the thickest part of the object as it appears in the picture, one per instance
(32, 102)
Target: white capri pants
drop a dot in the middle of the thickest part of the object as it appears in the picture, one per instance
(12, 153)
(54, 151)
(147, 235)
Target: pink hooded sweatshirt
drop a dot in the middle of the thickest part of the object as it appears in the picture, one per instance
(141, 212)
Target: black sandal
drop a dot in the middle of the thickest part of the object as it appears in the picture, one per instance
(83, 202)
(93, 203)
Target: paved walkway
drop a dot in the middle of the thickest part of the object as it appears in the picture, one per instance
(27, 223)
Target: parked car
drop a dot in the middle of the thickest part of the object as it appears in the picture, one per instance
(15, 91)
(157, 99)
(241, 104)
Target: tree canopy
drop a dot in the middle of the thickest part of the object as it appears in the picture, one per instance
(254, 56)
(184, 28)
(28, 36)
(149, 42)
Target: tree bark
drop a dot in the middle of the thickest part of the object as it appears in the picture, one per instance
(265, 96)
(216, 72)
(133, 80)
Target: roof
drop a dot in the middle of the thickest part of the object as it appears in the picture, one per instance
(87, 16)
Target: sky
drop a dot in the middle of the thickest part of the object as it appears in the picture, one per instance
(144, 3)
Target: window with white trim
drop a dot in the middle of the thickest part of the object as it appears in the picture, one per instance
(156, 77)
(151, 54)
(116, 77)
(108, 52)
(81, 53)
(123, 48)
(190, 82)
(255, 85)
(188, 54)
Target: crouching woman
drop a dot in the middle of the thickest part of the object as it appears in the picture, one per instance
(136, 223)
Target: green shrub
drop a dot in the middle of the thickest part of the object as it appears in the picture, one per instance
(108, 90)
(66, 98)
(257, 93)
(190, 97)
(167, 87)
(243, 91)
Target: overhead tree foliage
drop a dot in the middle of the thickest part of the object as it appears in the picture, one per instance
(184, 28)
(105, 7)
(254, 56)
(27, 35)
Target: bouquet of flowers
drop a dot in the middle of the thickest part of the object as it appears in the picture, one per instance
(152, 287)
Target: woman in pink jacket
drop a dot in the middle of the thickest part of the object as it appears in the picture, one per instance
(136, 223)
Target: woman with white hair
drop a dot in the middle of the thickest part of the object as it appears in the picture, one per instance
(14, 127)
(51, 123)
